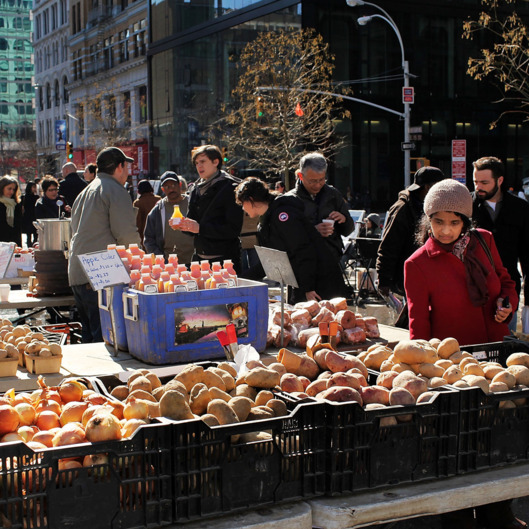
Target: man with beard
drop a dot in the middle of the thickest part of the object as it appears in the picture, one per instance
(159, 237)
(506, 216)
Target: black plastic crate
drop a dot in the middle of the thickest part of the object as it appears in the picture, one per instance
(363, 454)
(131, 491)
(214, 473)
(490, 435)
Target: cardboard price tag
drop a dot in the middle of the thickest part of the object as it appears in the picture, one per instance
(104, 269)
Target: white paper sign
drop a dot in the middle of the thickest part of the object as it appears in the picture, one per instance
(104, 269)
(6, 252)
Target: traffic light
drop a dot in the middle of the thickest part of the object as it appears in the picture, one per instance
(225, 154)
(259, 107)
(69, 150)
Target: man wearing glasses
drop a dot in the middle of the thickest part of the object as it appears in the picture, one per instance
(324, 205)
(101, 215)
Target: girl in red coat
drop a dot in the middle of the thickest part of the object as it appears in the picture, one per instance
(456, 286)
(456, 283)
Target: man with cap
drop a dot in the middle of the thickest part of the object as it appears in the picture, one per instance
(159, 236)
(506, 217)
(398, 236)
(101, 215)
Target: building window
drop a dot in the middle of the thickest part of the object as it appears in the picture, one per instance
(4, 66)
(80, 117)
(57, 94)
(4, 107)
(143, 103)
(3, 87)
(126, 109)
(124, 46)
(2, 22)
(3, 44)
(48, 96)
(64, 12)
(54, 17)
(65, 94)
(108, 52)
(139, 37)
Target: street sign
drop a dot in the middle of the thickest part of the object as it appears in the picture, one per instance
(459, 160)
(407, 146)
(408, 94)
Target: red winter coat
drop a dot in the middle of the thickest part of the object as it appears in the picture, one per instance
(438, 302)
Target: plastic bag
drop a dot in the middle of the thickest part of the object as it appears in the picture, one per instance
(525, 320)
(245, 353)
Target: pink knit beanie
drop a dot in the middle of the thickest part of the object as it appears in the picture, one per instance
(448, 195)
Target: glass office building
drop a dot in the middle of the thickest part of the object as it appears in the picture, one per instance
(193, 69)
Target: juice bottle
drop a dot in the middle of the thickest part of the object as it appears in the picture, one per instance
(181, 268)
(204, 276)
(229, 272)
(135, 276)
(134, 249)
(156, 271)
(159, 260)
(145, 270)
(173, 259)
(185, 276)
(177, 216)
(170, 268)
(204, 266)
(111, 246)
(146, 279)
(195, 270)
(148, 259)
(127, 263)
(169, 285)
(216, 266)
(135, 262)
(164, 278)
(122, 251)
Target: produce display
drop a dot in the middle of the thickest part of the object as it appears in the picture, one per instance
(301, 323)
(407, 374)
(26, 346)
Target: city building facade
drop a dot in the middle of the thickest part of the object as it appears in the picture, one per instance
(193, 66)
(17, 112)
(98, 95)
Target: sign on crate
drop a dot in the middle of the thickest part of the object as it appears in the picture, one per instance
(104, 269)
(6, 253)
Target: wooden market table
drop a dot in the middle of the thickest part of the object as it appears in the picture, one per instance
(14, 280)
(18, 299)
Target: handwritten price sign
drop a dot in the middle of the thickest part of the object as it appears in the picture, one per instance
(104, 269)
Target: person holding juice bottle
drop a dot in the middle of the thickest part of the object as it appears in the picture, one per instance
(214, 219)
(161, 235)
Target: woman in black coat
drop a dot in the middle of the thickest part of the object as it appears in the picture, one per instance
(10, 211)
(283, 226)
(28, 201)
(51, 205)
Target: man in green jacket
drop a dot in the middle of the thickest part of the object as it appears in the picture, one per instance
(101, 215)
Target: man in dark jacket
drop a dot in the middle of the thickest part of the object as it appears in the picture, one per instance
(324, 205)
(213, 218)
(506, 216)
(159, 238)
(398, 237)
(72, 184)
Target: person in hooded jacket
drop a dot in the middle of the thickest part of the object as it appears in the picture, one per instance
(283, 226)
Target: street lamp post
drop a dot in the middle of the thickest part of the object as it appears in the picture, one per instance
(405, 68)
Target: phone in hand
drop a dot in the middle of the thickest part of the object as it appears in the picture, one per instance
(505, 303)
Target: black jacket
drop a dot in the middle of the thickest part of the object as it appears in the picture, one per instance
(220, 219)
(284, 227)
(327, 200)
(29, 202)
(398, 240)
(511, 234)
(11, 233)
(48, 209)
(71, 186)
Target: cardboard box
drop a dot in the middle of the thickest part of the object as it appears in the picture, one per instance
(40, 365)
(8, 367)
(176, 327)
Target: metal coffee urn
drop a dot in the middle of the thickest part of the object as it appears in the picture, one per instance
(51, 258)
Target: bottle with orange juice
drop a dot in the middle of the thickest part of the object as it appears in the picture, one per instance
(176, 217)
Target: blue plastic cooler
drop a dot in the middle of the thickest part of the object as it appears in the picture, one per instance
(176, 327)
(119, 320)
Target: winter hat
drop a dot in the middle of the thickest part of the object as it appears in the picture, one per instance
(448, 195)
(375, 219)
